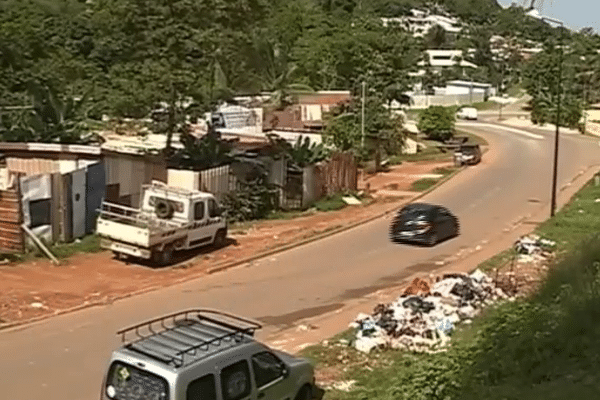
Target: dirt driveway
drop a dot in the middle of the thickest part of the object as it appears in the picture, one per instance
(38, 289)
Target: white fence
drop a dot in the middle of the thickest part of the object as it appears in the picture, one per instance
(424, 101)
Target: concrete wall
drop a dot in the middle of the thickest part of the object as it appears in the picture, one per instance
(185, 179)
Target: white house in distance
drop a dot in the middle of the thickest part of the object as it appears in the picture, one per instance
(467, 87)
(440, 59)
(420, 22)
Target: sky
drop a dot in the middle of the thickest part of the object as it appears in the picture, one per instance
(575, 14)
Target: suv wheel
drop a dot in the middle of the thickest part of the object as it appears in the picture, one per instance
(304, 394)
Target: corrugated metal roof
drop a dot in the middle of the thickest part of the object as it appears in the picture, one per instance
(51, 148)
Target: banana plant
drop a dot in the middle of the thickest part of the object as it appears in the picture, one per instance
(302, 153)
(51, 119)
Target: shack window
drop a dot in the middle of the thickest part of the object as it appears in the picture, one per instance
(40, 212)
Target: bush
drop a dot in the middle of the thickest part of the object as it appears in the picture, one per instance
(255, 200)
(330, 203)
(437, 123)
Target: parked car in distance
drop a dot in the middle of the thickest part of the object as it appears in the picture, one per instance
(424, 223)
(203, 354)
(469, 154)
(467, 113)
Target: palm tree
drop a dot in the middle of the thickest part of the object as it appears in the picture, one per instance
(276, 72)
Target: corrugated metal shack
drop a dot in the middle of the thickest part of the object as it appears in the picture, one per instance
(62, 186)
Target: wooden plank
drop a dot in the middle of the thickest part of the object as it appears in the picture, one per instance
(8, 196)
(9, 228)
(15, 239)
(12, 217)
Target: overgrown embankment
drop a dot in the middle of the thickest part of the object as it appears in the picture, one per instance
(545, 346)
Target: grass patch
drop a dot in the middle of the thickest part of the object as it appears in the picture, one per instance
(498, 261)
(330, 203)
(485, 105)
(444, 171)
(430, 153)
(423, 184)
(542, 348)
(472, 138)
(88, 244)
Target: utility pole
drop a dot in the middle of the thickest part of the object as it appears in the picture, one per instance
(362, 140)
(558, 100)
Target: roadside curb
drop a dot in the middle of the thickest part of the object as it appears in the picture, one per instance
(333, 231)
(233, 264)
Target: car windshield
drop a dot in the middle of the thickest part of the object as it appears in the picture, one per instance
(416, 213)
(126, 382)
(469, 149)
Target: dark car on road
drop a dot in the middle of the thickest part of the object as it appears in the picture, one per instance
(424, 223)
(469, 153)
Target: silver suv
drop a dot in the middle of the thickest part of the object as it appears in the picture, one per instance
(203, 355)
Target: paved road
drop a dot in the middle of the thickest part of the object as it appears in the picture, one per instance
(63, 358)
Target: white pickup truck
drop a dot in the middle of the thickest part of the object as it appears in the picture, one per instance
(168, 220)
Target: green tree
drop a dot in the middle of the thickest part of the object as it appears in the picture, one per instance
(437, 123)
(383, 130)
(436, 38)
(541, 80)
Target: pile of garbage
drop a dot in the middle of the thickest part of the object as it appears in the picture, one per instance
(533, 248)
(424, 316)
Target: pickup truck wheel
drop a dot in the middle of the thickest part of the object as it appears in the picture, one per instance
(117, 255)
(220, 239)
(163, 257)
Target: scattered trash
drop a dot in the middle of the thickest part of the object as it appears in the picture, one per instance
(38, 305)
(533, 248)
(306, 327)
(417, 287)
(344, 386)
(423, 322)
(351, 200)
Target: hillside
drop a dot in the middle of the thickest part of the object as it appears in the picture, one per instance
(476, 11)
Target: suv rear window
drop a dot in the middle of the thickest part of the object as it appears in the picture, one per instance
(126, 382)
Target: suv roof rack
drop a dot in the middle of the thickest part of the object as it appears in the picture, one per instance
(188, 332)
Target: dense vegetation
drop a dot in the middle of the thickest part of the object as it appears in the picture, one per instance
(126, 57)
